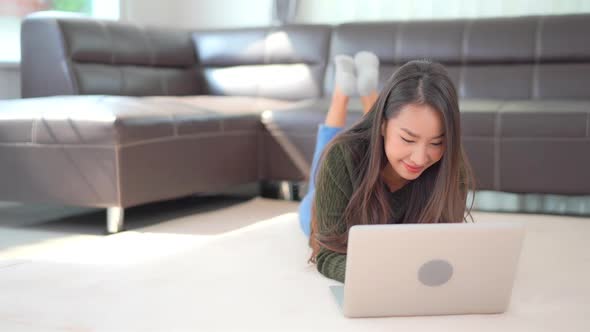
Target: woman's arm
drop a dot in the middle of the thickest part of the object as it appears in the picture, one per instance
(333, 192)
(331, 264)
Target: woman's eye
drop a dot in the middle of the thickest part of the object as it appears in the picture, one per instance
(437, 144)
(407, 140)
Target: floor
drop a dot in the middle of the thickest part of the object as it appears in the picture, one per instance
(239, 264)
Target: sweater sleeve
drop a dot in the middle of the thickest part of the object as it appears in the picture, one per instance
(333, 192)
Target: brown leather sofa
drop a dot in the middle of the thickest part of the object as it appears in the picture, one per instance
(116, 115)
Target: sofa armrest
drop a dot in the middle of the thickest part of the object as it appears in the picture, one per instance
(80, 56)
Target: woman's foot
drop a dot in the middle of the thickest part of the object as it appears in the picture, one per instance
(345, 77)
(367, 72)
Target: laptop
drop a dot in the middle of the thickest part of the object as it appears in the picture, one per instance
(430, 269)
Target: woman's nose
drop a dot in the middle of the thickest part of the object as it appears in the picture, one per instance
(419, 157)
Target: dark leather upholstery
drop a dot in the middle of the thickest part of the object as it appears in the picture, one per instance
(199, 111)
(123, 151)
(500, 58)
(286, 63)
(112, 58)
(514, 146)
(74, 56)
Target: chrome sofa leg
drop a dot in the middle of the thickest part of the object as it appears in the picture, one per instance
(289, 190)
(285, 190)
(115, 217)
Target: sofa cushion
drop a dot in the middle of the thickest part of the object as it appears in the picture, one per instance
(496, 135)
(124, 151)
(113, 120)
(285, 62)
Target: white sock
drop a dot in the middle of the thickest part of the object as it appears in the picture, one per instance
(367, 69)
(345, 77)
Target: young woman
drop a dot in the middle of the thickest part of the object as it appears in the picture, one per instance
(403, 162)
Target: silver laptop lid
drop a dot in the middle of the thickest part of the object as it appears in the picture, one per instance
(431, 269)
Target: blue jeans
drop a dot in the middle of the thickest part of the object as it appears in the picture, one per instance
(325, 135)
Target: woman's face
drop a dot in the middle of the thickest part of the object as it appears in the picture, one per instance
(414, 141)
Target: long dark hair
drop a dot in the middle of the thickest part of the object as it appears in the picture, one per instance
(439, 194)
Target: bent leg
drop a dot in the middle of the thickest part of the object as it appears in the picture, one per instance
(324, 136)
(335, 121)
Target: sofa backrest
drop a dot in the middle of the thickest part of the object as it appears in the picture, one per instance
(65, 56)
(287, 62)
(535, 57)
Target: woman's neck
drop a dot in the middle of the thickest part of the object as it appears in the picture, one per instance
(393, 180)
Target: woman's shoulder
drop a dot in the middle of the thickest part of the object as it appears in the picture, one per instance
(334, 161)
(334, 175)
(342, 154)
(342, 160)
(335, 153)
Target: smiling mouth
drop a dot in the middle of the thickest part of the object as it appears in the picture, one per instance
(413, 169)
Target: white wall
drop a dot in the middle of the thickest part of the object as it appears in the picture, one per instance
(200, 14)
(339, 11)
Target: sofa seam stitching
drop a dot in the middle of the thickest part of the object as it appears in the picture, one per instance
(398, 34)
(538, 138)
(464, 44)
(587, 124)
(537, 54)
(117, 150)
(155, 140)
(34, 130)
(68, 59)
(497, 142)
(119, 68)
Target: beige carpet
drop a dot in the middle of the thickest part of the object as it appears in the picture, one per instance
(240, 265)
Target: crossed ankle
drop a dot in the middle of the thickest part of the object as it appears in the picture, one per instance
(345, 77)
(367, 68)
(358, 75)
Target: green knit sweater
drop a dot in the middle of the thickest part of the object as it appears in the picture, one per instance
(334, 187)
